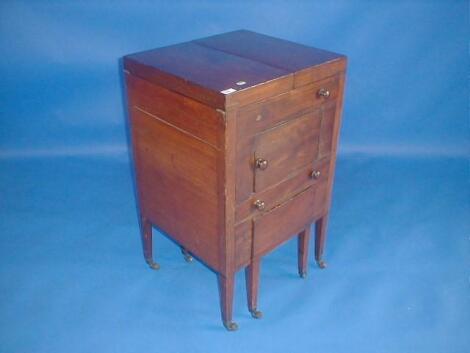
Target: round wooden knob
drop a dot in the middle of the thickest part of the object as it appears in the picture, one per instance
(315, 174)
(323, 92)
(261, 163)
(260, 205)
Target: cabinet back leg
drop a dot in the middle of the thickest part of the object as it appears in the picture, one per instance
(146, 232)
(226, 300)
(320, 238)
(252, 286)
(302, 251)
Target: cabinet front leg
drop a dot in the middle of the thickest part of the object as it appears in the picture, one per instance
(252, 285)
(226, 300)
(320, 238)
(146, 232)
(302, 252)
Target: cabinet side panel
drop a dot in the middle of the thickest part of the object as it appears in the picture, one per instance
(177, 180)
(338, 112)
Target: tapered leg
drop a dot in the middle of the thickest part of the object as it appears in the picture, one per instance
(252, 285)
(302, 253)
(320, 238)
(226, 300)
(146, 230)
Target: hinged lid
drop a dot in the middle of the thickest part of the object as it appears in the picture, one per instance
(224, 69)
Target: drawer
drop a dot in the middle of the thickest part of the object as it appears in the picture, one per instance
(282, 150)
(268, 113)
(315, 173)
(281, 223)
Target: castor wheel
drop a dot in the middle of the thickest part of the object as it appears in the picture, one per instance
(187, 255)
(321, 264)
(231, 326)
(256, 314)
(153, 265)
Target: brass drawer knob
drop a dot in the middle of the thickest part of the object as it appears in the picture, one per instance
(323, 92)
(315, 174)
(259, 205)
(261, 163)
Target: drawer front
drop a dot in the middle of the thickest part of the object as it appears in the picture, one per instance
(281, 151)
(281, 223)
(266, 114)
(315, 173)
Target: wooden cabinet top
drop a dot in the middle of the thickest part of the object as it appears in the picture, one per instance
(221, 70)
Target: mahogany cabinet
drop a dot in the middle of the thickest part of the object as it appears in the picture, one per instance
(234, 140)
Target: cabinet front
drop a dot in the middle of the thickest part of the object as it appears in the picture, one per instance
(284, 157)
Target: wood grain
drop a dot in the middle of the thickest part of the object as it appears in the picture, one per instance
(272, 51)
(252, 273)
(327, 129)
(266, 114)
(187, 114)
(280, 224)
(195, 147)
(321, 225)
(243, 243)
(302, 251)
(178, 183)
(281, 192)
(200, 72)
(319, 72)
(286, 148)
(202, 68)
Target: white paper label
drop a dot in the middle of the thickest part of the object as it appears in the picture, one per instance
(228, 91)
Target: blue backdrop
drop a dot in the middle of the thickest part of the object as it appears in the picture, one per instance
(72, 275)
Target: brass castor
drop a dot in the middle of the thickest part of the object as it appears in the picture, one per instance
(321, 264)
(303, 274)
(231, 326)
(256, 314)
(153, 265)
(187, 255)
